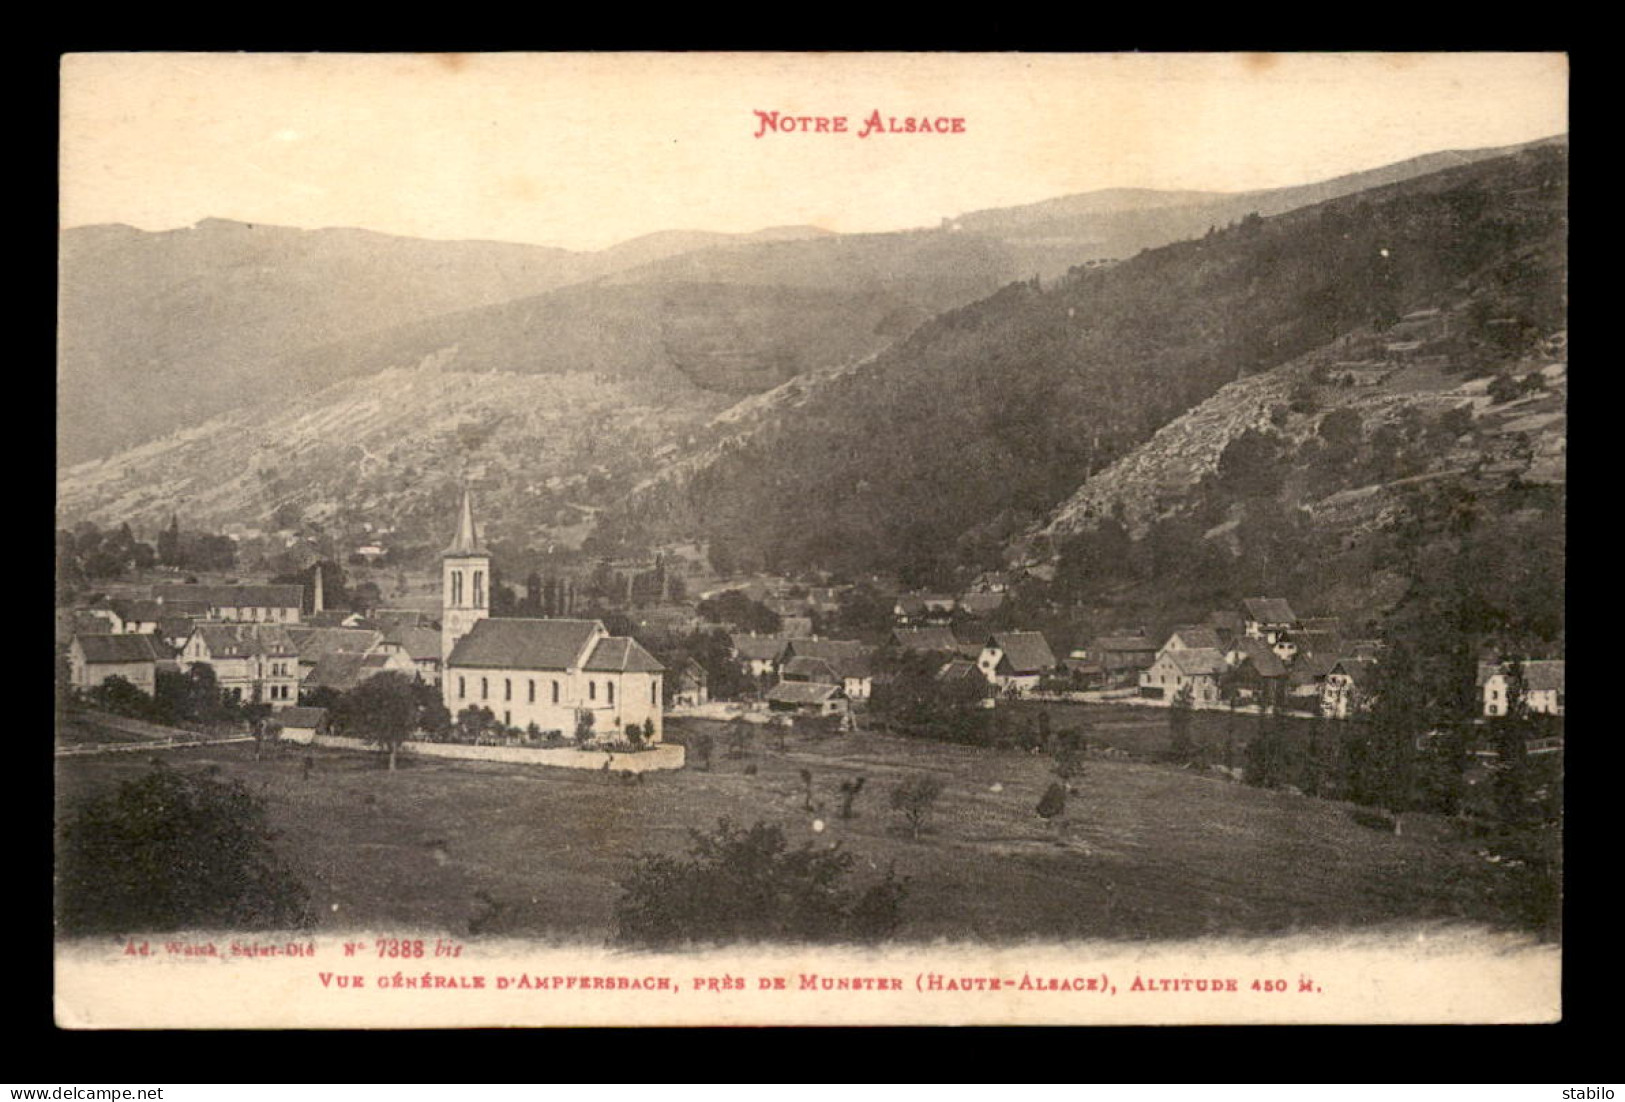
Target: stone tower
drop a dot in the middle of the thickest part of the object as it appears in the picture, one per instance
(465, 582)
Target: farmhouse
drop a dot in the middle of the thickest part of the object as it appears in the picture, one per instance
(760, 655)
(551, 673)
(1543, 687)
(693, 684)
(302, 724)
(92, 659)
(807, 698)
(1016, 660)
(1197, 669)
(835, 661)
(1122, 657)
(1267, 618)
(1347, 688)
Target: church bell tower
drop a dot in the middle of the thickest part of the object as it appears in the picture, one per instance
(465, 582)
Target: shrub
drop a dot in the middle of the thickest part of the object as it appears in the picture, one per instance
(174, 850)
(914, 798)
(740, 884)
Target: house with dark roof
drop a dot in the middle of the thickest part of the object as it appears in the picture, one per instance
(848, 662)
(807, 698)
(1122, 657)
(693, 684)
(93, 658)
(1346, 689)
(1016, 661)
(1543, 687)
(301, 724)
(1198, 669)
(420, 645)
(1257, 672)
(269, 604)
(933, 638)
(1193, 636)
(760, 655)
(253, 662)
(1267, 618)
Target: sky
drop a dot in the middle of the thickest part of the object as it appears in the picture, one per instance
(586, 150)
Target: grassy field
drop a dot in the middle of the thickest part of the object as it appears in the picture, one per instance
(1143, 731)
(1145, 851)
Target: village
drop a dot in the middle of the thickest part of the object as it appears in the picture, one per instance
(755, 706)
(287, 658)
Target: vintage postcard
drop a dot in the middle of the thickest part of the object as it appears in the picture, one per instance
(882, 539)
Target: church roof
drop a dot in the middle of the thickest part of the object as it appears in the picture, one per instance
(516, 644)
(622, 655)
(467, 540)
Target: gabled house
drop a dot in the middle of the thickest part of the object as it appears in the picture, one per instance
(1193, 637)
(1198, 669)
(301, 724)
(848, 661)
(253, 662)
(1543, 687)
(421, 646)
(93, 658)
(933, 638)
(1267, 618)
(1016, 661)
(807, 698)
(760, 655)
(1257, 673)
(1347, 688)
(692, 685)
(1122, 657)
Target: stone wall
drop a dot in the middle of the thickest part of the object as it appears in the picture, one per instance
(664, 756)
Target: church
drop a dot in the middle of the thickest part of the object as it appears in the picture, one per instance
(546, 672)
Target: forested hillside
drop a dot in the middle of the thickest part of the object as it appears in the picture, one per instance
(957, 440)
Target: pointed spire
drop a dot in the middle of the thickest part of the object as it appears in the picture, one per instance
(467, 541)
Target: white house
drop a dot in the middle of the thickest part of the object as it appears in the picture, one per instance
(92, 659)
(1015, 661)
(1543, 687)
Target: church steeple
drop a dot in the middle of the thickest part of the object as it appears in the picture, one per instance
(465, 574)
(467, 540)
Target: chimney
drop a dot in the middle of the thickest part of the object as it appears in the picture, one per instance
(317, 600)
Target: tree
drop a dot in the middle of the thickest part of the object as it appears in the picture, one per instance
(171, 851)
(1179, 723)
(383, 710)
(169, 543)
(738, 738)
(850, 789)
(584, 724)
(118, 696)
(914, 798)
(740, 884)
(1053, 801)
(701, 745)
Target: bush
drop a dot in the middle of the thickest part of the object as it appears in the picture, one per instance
(741, 884)
(173, 851)
(914, 798)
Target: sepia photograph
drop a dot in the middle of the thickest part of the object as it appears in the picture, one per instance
(647, 539)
